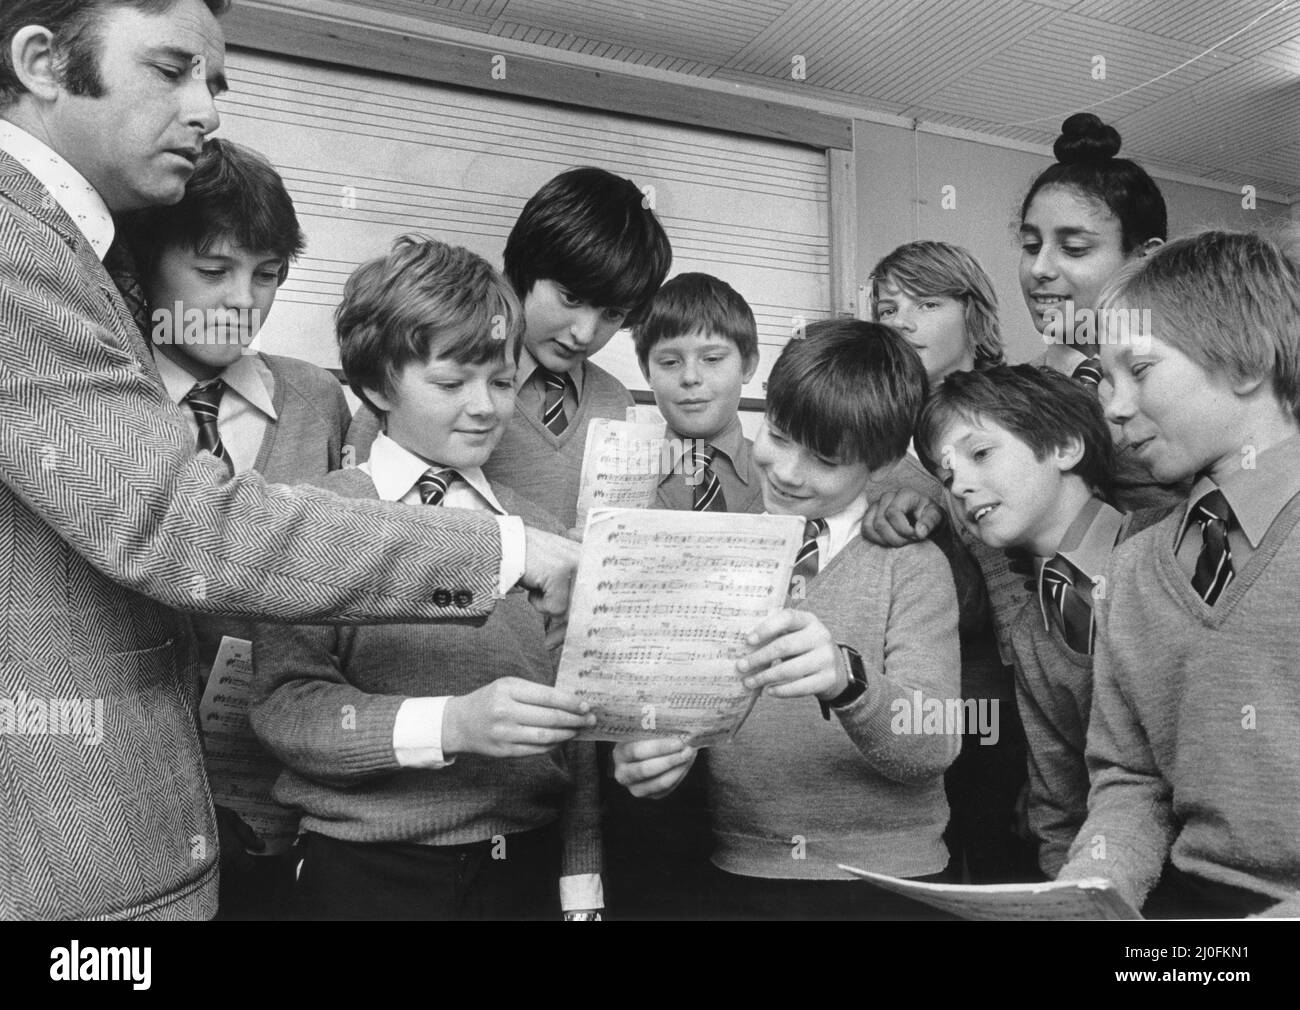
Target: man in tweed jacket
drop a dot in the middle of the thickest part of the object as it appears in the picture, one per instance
(109, 521)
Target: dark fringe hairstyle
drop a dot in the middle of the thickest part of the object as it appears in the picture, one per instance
(697, 302)
(848, 390)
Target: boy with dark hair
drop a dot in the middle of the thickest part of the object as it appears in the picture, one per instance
(584, 257)
(869, 633)
(1191, 744)
(392, 735)
(210, 267)
(1028, 460)
(698, 346)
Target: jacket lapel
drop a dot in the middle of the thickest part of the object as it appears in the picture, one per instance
(20, 186)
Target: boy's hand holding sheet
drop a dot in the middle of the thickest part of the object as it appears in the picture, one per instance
(512, 717)
(652, 768)
(794, 656)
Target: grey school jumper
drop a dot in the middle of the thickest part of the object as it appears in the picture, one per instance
(1192, 744)
(794, 794)
(544, 467)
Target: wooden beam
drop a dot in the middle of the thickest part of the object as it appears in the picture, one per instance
(380, 48)
(843, 225)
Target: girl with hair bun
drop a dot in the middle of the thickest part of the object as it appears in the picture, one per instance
(1083, 219)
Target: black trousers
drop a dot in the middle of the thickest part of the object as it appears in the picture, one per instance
(515, 879)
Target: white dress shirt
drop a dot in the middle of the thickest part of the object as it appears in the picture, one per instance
(246, 410)
(417, 731)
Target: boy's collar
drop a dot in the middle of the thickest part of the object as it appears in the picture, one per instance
(247, 376)
(395, 470)
(1257, 494)
(528, 365)
(1090, 538)
(728, 442)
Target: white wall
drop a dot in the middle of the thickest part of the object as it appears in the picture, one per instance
(894, 163)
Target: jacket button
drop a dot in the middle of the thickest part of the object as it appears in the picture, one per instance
(464, 597)
(442, 597)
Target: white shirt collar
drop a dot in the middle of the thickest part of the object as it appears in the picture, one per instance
(528, 365)
(247, 377)
(395, 471)
(65, 184)
(841, 529)
(845, 526)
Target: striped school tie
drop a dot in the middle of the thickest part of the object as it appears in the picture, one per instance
(553, 415)
(708, 491)
(1214, 564)
(807, 561)
(205, 400)
(1088, 371)
(433, 484)
(1067, 607)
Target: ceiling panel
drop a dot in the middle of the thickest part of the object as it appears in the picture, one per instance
(1012, 68)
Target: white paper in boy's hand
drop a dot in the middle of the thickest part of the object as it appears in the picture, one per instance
(645, 413)
(240, 771)
(620, 465)
(1094, 898)
(661, 607)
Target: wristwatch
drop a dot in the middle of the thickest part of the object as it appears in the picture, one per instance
(857, 682)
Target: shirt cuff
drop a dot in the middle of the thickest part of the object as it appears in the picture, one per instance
(417, 733)
(581, 892)
(512, 552)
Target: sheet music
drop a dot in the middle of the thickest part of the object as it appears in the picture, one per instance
(647, 414)
(661, 607)
(621, 465)
(240, 772)
(1063, 899)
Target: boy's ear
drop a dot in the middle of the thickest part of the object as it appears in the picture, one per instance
(1247, 386)
(378, 399)
(1066, 457)
(751, 366)
(1149, 246)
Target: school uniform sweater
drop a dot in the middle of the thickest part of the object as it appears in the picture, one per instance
(302, 444)
(1192, 744)
(326, 702)
(795, 794)
(546, 467)
(1054, 694)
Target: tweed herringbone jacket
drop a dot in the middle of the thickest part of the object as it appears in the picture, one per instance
(109, 524)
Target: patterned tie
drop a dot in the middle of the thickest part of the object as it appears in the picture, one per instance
(1088, 371)
(1067, 606)
(806, 562)
(553, 415)
(708, 491)
(433, 484)
(120, 265)
(205, 400)
(1214, 565)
